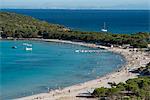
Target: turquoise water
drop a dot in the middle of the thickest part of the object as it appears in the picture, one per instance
(49, 65)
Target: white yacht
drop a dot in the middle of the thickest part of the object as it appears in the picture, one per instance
(28, 49)
(104, 28)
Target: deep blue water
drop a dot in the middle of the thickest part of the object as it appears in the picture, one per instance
(50, 65)
(117, 21)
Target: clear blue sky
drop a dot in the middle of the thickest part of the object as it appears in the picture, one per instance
(76, 4)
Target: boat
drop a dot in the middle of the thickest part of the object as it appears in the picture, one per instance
(104, 28)
(24, 43)
(14, 47)
(77, 51)
(27, 44)
(28, 49)
(88, 51)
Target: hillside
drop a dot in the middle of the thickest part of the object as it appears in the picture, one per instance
(16, 25)
(21, 26)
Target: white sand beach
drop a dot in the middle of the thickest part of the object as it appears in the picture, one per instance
(134, 60)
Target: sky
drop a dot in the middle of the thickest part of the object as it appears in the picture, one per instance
(75, 4)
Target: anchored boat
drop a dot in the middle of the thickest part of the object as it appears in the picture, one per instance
(104, 28)
(28, 49)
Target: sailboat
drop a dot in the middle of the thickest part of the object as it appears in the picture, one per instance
(104, 28)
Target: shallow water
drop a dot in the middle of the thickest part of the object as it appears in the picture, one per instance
(49, 65)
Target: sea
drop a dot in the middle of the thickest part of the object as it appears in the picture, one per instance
(53, 65)
(117, 21)
(50, 65)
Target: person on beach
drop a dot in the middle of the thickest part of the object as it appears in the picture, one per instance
(48, 89)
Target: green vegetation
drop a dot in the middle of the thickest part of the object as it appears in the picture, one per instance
(20, 26)
(133, 89)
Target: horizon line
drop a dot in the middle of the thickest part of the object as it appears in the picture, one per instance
(74, 9)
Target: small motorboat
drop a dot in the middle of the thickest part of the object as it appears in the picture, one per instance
(24, 43)
(28, 49)
(14, 47)
(27, 44)
(77, 50)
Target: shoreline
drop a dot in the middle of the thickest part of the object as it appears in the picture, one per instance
(132, 60)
